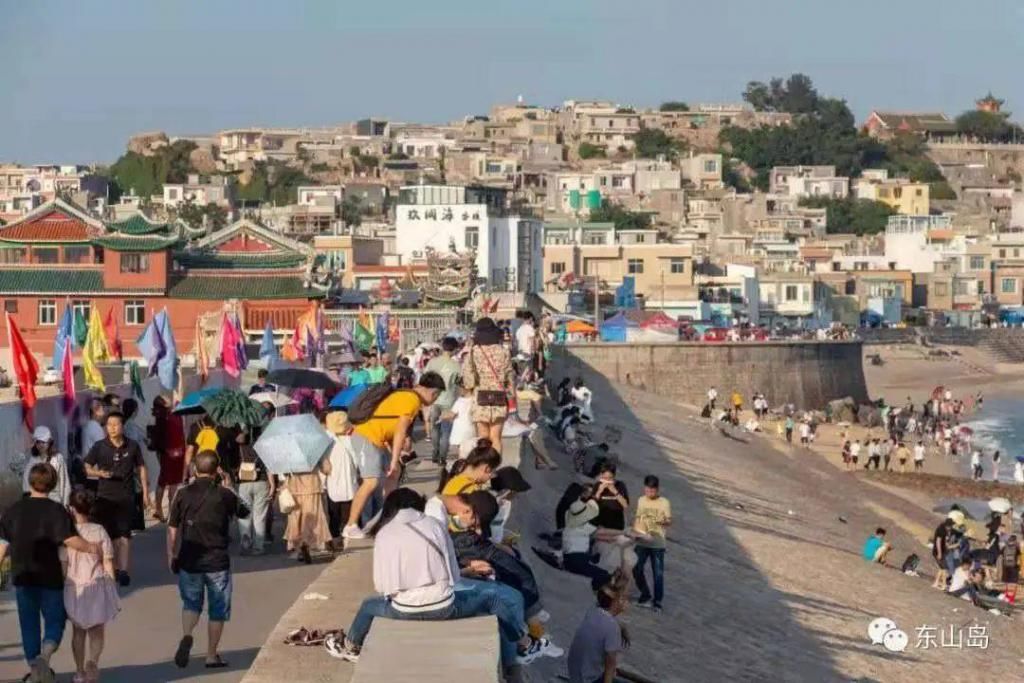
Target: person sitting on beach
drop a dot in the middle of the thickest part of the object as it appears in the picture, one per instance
(875, 548)
(577, 536)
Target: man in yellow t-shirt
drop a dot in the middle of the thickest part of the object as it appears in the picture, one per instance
(388, 430)
(653, 516)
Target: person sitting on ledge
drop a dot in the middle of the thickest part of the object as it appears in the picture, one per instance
(415, 573)
(875, 548)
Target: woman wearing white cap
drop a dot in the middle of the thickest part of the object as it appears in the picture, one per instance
(45, 451)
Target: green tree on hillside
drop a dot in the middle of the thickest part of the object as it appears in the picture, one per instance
(146, 175)
(796, 95)
(273, 182)
(859, 216)
(591, 151)
(651, 143)
(352, 212)
(674, 105)
(193, 215)
(989, 126)
(610, 212)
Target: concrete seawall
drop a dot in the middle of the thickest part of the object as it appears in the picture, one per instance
(807, 374)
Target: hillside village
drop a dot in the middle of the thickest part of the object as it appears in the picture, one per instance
(780, 210)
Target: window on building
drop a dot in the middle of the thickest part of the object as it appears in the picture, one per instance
(711, 166)
(172, 193)
(47, 312)
(640, 239)
(981, 286)
(10, 305)
(919, 192)
(677, 266)
(45, 254)
(1008, 285)
(558, 268)
(960, 288)
(618, 181)
(472, 237)
(16, 255)
(1016, 252)
(82, 307)
(134, 312)
(77, 254)
(792, 293)
(134, 263)
(594, 238)
(977, 263)
(1002, 253)
(337, 260)
(941, 289)
(635, 266)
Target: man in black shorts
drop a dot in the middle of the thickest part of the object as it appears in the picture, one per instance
(115, 461)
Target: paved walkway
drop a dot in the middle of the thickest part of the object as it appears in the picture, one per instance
(141, 641)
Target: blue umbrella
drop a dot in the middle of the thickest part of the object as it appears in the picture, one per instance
(293, 444)
(192, 404)
(343, 399)
(1020, 458)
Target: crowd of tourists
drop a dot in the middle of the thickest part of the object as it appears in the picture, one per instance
(69, 538)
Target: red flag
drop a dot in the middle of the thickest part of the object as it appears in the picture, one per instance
(229, 347)
(26, 369)
(113, 338)
(67, 372)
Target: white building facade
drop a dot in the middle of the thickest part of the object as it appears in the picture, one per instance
(509, 248)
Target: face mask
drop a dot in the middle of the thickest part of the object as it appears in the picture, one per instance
(457, 522)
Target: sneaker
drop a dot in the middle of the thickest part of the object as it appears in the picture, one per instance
(339, 647)
(352, 531)
(539, 647)
(657, 607)
(644, 603)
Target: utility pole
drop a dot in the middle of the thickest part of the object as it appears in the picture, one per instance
(597, 307)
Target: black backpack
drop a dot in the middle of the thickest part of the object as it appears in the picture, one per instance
(911, 563)
(363, 408)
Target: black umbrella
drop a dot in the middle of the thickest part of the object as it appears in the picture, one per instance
(302, 377)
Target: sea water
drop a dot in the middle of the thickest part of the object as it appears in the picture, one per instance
(998, 426)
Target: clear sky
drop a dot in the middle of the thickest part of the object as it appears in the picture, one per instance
(78, 78)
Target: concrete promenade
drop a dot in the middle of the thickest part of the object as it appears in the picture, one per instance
(140, 643)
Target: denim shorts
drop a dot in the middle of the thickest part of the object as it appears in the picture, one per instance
(217, 587)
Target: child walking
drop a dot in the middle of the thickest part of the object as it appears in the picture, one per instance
(90, 595)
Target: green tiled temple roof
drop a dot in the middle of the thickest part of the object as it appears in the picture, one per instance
(53, 281)
(140, 243)
(257, 260)
(138, 225)
(220, 288)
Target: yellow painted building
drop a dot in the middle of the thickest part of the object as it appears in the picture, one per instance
(906, 197)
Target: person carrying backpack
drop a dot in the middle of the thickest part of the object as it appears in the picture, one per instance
(384, 417)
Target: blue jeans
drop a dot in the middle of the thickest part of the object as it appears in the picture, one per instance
(657, 558)
(479, 598)
(217, 587)
(35, 605)
(442, 439)
(256, 496)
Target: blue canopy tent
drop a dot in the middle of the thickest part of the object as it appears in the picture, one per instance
(614, 328)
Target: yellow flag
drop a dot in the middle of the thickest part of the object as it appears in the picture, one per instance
(95, 351)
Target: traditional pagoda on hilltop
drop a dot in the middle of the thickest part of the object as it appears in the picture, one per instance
(59, 255)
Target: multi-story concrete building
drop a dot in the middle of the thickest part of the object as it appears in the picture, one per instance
(703, 171)
(908, 198)
(508, 247)
(241, 145)
(662, 272)
(808, 181)
(916, 243)
(604, 124)
(200, 191)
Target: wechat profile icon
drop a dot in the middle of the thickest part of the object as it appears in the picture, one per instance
(883, 631)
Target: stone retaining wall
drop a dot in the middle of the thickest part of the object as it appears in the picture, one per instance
(807, 374)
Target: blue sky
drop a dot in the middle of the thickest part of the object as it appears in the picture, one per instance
(79, 77)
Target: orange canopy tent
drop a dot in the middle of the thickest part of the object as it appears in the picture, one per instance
(579, 327)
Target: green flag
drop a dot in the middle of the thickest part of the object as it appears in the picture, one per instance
(81, 329)
(364, 338)
(136, 379)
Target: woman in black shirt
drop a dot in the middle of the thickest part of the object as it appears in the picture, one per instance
(612, 498)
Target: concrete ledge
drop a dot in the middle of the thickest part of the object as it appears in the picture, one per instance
(463, 651)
